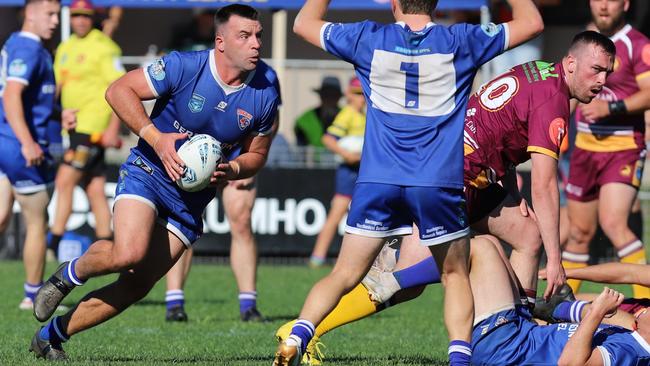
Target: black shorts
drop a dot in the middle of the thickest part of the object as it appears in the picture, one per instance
(85, 155)
(480, 202)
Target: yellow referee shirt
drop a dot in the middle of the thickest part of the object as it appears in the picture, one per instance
(349, 122)
(84, 68)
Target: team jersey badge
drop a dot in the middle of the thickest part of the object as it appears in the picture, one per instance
(244, 118)
(196, 103)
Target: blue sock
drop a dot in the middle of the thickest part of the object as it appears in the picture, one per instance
(174, 298)
(422, 273)
(460, 353)
(303, 330)
(70, 274)
(569, 311)
(31, 290)
(54, 332)
(247, 301)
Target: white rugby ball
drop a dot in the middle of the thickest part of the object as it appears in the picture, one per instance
(350, 143)
(201, 154)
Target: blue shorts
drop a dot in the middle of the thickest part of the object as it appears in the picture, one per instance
(381, 210)
(25, 180)
(346, 178)
(180, 212)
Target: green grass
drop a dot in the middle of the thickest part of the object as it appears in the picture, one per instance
(410, 334)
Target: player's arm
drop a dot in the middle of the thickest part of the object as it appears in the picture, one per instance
(310, 21)
(125, 96)
(546, 200)
(578, 350)
(614, 272)
(12, 103)
(255, 150)
(526, 22)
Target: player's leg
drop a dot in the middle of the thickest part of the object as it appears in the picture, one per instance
(6, 202)
(101, 305)
(175, 294)
(95, 190)
(508, 224)
(440, 216)
(377, 211)
(582, 192)
(134, 219)
(338, 208)
(34, 211)
(67, 178)
(238, 200)
(616, 200)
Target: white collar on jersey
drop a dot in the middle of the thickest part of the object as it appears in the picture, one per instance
(29, 35)
(228, 89)
(641, 341)
(429, 25)
(621, 33)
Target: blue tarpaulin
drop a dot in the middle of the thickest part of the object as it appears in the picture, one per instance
(262, 4)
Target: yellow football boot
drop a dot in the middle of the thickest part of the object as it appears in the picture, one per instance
(313, 355)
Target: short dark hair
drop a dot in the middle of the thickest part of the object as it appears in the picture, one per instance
(590, 37)
(223, 14)
(418, 6)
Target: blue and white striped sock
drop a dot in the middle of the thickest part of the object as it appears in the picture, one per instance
(247, 300)
(569, 311)
(71, 275)
(460, 353)
(301, 333)
(31, 289)
(174, 298)
(54, 332)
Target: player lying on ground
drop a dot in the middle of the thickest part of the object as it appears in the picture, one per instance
(503, 323)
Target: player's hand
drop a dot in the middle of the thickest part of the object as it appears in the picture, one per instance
(526, 210)
(165, 148)
(595, 110)
(351, 158)
(69, 119)
(555, 278)
(32, 153)
(111, 139)
(541, 274)
(607, 302)
(225, 172)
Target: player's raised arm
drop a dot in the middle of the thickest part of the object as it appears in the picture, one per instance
(309, 21)
(526, 22)
(125, 96)
(579, 351)
(614, 272)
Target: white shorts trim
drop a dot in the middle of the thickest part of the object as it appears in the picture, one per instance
(136, 198)
(445, 238)
(379, 234)
(174, 230)
(480, 318)
(31, 189)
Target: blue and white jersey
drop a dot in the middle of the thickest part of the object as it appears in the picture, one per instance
(192, 98)
(24, 59)
(416, 84)
(510, 337)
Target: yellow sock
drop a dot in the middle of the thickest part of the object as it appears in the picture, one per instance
(355, 305)
(574, 260)
(635, 253)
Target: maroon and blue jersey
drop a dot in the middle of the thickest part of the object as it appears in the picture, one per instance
(416, 84)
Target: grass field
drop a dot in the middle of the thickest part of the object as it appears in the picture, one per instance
(410, 334)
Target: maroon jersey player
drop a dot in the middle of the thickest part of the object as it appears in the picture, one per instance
(521, 115)
(607, 163)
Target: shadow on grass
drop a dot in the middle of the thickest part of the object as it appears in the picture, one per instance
(148, 302)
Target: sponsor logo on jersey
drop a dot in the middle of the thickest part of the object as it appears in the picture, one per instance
(196, 103)
(17, 68)
(557, 131)
(221, 106)
(182, 129)
(645, 54)
(244, 118)
(626, 170)
(157, 69)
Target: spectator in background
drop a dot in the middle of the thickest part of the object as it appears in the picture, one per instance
(85, 65)
(198, 35)
(344, 138)
(312, 124)
(27, 96)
